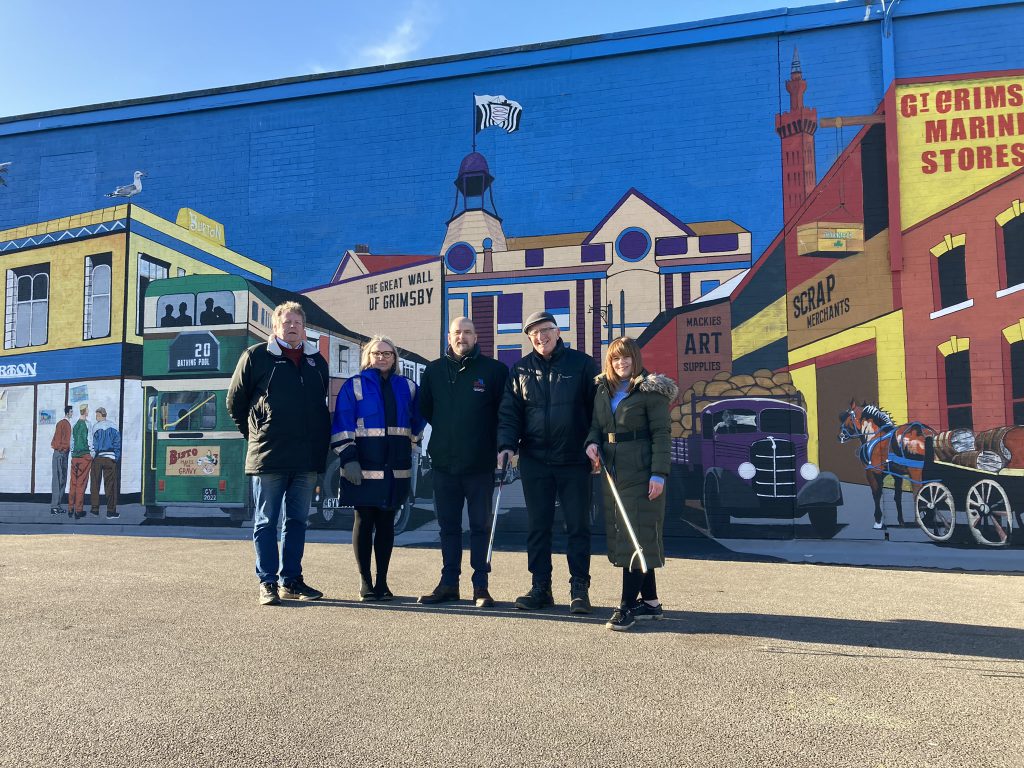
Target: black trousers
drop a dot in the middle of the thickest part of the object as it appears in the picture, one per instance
(542, 484)
(451, 492)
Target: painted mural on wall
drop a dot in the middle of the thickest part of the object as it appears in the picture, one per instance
(862, 375)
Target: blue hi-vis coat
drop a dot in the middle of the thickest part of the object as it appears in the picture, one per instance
(384, 451)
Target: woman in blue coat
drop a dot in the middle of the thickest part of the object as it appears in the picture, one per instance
(376, 423)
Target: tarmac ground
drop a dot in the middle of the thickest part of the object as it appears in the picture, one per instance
(153, 651)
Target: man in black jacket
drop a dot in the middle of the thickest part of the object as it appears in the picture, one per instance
(545, 416)
(459, 396)
(278, 400)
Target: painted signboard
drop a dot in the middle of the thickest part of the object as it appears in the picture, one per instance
(955, 138)
(193, 460)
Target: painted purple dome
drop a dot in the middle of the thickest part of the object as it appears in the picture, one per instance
(474, 162)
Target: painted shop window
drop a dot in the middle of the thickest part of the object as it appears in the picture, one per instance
(150, 269)
(255, 312)
(176, 310)
(706, 286)
(671, 246)
(1015, 385)
(949, 274)
(510, 355)
(725, 242)
(535, 257)
(96, 320)
(1013, 251)
(557, 303)
(510, 313)
(216, 307)
(958, 390)
(28, 306)
(592, 252)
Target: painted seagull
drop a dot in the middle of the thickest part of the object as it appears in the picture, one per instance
(3, 170)
(129, 190)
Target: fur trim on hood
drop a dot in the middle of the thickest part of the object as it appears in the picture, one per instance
(648, 382)
(661, 384)
(274, 348)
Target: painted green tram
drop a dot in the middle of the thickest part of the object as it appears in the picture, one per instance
(195, 329)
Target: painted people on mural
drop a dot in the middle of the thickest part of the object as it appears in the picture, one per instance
(106, 461)
(278, 400)
(61, 446)
(460, 394)
(545, 415)
(631, 433)
(376, 424)
(81, 462)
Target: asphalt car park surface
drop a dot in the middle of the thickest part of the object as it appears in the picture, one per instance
(131, 650)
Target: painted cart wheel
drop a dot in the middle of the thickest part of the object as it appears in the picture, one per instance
(935, 511)
(989, 514)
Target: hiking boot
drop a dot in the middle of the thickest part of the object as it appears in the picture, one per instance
(268, 593)
(622, 619)
(55, 510)
(644, 611)
(112, 515)
(299, 590)
(482, 598)
(366, 593)
(381, 590)
(579, 592)
(442, 593)
(538, 597)
(93, 511)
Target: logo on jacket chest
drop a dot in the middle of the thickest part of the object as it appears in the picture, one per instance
(478, 385)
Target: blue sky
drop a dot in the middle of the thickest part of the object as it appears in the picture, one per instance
(69, 53)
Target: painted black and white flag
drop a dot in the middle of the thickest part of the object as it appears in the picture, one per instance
(497, 110)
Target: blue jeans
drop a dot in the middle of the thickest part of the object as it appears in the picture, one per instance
(450, 492)
(268, 492)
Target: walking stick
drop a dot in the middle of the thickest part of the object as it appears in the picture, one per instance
(497, 503)
(639, 551)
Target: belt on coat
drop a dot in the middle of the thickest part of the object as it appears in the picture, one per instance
(626, 437)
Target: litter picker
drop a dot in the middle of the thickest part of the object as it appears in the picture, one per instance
(497, 503)
(638, 550)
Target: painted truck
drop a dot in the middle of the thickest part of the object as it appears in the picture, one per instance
(747, 458)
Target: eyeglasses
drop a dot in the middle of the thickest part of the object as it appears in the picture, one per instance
(538, 332)
(384, 355)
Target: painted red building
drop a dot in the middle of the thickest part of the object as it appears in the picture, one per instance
(963, 301)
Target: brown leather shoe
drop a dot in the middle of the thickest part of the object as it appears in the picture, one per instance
(442, 593)
(482, 598)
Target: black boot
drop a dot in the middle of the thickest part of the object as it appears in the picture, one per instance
(366, 593)
(579, 593)
(538, 597)
(381, 589)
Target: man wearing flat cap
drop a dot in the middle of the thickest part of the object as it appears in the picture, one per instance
(545, 416)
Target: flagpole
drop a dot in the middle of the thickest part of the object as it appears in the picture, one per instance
(474, 122)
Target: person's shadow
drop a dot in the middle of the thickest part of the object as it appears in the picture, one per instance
(897, 635)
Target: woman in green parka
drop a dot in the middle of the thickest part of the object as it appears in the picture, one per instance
(631, 428)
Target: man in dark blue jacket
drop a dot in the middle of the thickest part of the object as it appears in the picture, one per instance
(545, 416)
(459, 396)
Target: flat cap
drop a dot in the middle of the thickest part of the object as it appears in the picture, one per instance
(537, 318)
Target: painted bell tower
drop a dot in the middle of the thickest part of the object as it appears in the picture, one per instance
(796, 129)
(474, 220)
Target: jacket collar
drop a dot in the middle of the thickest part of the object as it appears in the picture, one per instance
(471, 355)
(309, 348)
(602, 381)
(558, 351)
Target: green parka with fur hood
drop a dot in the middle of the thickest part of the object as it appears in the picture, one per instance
(644, 410)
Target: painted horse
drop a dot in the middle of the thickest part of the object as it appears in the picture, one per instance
(886, 449)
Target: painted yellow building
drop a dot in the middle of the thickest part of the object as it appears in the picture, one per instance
(72, 319)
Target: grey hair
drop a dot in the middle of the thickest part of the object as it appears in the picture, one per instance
(283, 309)
(364, 359)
